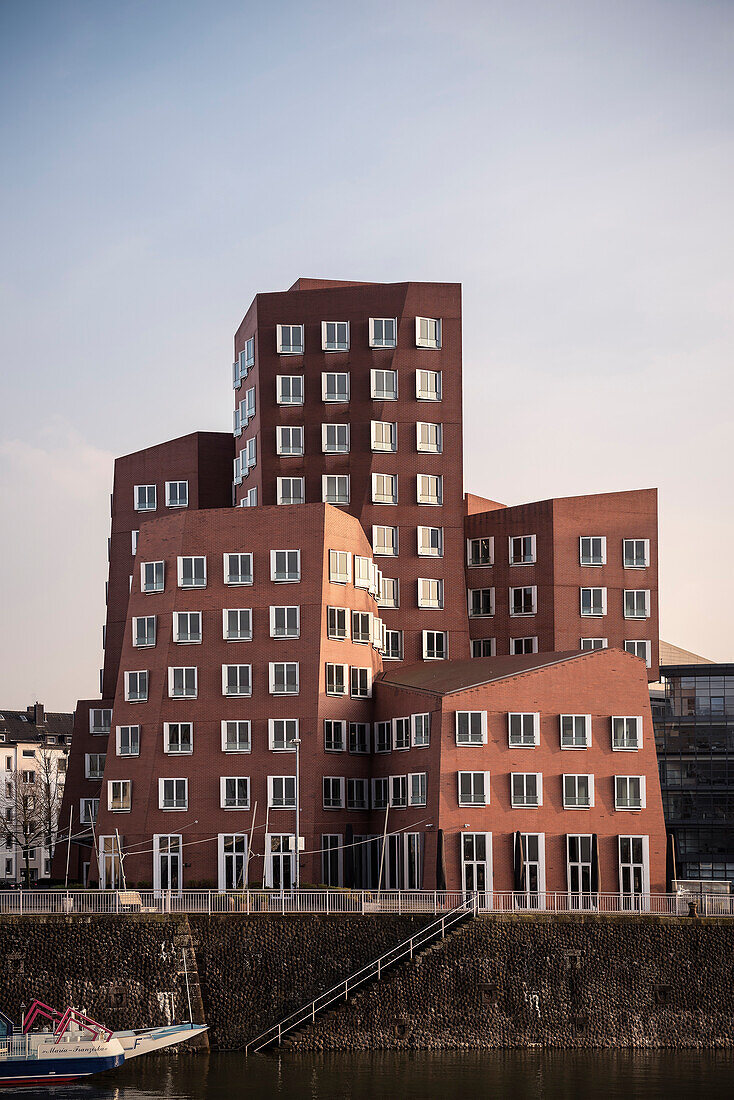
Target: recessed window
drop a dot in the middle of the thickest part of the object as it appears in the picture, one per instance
(237, 624)
(384, 435)
(94, 765)
(636, 553)
(100, 721)
(420, 730)
(289, 389)
(430, 542)
(389, 592)
(89, 809)
(134, 539)
(592, 550)
(178, 738)
(152, 576)
(428, 385)
(282, 734)
(385, 541)
(627, 733)
(427, 332)
(335, 488)
(393, 649)
(192, 572)
(429, 488)
(399, 791)
(578, 792)
(335, 387)
(182, 682)
(360, 683)
(136, 687)
(637, 603)
(285, 566)
(473, 788)
(523, 730)
(481, 602)
(238, 569)
(234, 792)
(291, 490)
(383, 332)
(236, 679)
(119, 795)
(430, 592)
(575, 731)
(383, 737)
(128, 740)
(384, 488)
(483, 647)
(289, 441)
(285, 622)
(337, 620)
(284, 678)
(522, 549)
(629, 792)
(435, 645)
(144, 631)
(526, 789)
(429, 437)
(335, 439)
(400, 733)
(480, 551)
(289, 339)
(333, 792)
(282, 792)
(590, 644)
(524, 600)
(236, 736)
(471, 727)
(361, 627)
(384, 385)
(518, 646)
(145, 498)
(640, 648)
(334, 735)
(417, 788)
(335, 335)
(593, 602)
(359, 738)
(177, 494)
(186, 626)
(336, 679)
(340, 566)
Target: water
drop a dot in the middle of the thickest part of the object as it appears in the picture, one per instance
(509, 1075)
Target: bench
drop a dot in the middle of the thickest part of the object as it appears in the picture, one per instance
(131, 902)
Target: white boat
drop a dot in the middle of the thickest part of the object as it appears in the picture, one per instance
(145, 1040)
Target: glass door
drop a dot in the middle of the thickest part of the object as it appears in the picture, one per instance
(167, 863)
(280, 861)
(476, 874)
(233, 861)
(632, 872)
(532, 893)
(109, 863)
(579, 872)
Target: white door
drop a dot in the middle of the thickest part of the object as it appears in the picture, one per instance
(476, 866)
(109, 863)
(578, 869)
(232, 861)
(167, 863)
(532, 895)
(279, 867)
(634, 871)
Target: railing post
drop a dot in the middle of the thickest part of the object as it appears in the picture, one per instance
(209, 900)
(117, 901)
(443, 927)
(363, 903)
(400, 902)
(435, 902)
(248, 903)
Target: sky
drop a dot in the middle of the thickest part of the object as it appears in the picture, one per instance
(570, 164)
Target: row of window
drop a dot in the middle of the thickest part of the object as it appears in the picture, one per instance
(283, 679)
(522, 550)
(523, 600)
(336, 440)
(285, 622)
(487, 647)
(145, 498)
(335, 489)
(523, 730)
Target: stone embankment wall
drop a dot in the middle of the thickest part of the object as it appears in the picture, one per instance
(497, 981)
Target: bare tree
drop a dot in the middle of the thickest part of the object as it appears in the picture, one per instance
(50, 795)
(22, 818)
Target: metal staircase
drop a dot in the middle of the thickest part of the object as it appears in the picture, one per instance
(371, 972)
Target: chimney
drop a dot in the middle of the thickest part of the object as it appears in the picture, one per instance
(40, 712)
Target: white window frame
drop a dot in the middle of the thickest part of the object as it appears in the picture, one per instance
(237, 804)
(636, 592)
(151, 591)
(430, 593)
(342, 486)
(290, 348)
(237, 722)
(339, 399)
(288, 449)
(280, 483)
(167, 739)
(334, 802)
(139, 698)
(593, 648)
(427, 448)
(274, 743)
(426, 646)
(288, 578)
(470, 738)
(603, 552)
(473, 801)
(636, 643)
(378, 445)
(523, 649)
(381, 498)
(280, 396)
(633, 542)
(378, 547)
(130, 739)
(587, 731)
(340, 341)
(429, 499)
(426, 340)
(593, 614)
(126, 787)
(172, 670)
(285, 803)
(574, 805)
(522, 743)
(274, 609)
(428, 385)
(176, 630)
(240, 612)
(363, 673)
(525, 805)
(426, 549)
(478, 644)
(225, 678)
(335, 449)
(340, 567)
(643, 793)
(624, 744)
(285, 665)
(146, 507)
(147, 619)
(378, 393)
(177, 504)
(345, 679)
(511, 551)
(533, 589)
(180, 570)
(382, 341)
(470, 603)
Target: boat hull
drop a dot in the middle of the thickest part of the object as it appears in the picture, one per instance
(147, 1040)
(18, 1072)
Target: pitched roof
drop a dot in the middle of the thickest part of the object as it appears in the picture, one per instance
(20, 725)
(445, 677)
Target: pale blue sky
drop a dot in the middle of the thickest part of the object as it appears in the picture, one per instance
(570, 163)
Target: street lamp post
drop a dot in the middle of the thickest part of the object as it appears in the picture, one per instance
(297, 743)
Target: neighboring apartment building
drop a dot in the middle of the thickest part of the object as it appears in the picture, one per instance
(351, 557)
(34, 747)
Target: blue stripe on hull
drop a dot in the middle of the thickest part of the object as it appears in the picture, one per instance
(51, 1070)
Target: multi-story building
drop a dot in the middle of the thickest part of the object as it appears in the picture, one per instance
(308, 623)
(34, 746)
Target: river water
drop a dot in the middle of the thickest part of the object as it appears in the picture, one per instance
(504, 1075)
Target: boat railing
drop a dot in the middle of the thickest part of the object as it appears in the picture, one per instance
(17, 1046)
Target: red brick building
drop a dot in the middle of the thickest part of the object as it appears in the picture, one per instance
(327, 595)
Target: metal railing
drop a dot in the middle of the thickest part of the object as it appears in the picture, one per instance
(372, 971)
(351, 902)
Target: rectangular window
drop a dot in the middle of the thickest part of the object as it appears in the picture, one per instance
(430, 542)
(578, 792)
(385, 541)
(361, 683)
(357, 794)
(236, 736)
(128, 740)
(182, 683)
(282, 792)
(429, 437)
(590, 644)
(144, 631)
(637, 603)
(334, 736)
(145, 498)
(335, 488)
(483, 647)
(471, 727)
(284, 678)
(524, 601)
(134, 538)
(384, 435)
(359, 737)
(383, 332)
(192, 572)
(361, 627)
(291, 490)
(384, 385)
(481, 602)
(337, 623)
(519, 646)
(336, 679)
(237, 624)
(523, 730)
(335, 335)
(152, 576)
(383, 737)
(384, 488)
(285, 566)
(186, 626)
(285, 622)
(430, 592)
(401, 733)
(331, 860)
(335, 387)
(340, 567)
(89, 810)
(178, 737)
(100, 721)
(136, 687)
(94, 765)
(236, 679)
(119, 795)
(399, 790)
(282, 732)
(234, 792)
(522, 549)
(429, 489)
(393, 650)
(592, 550)
(480, 551)
(335, 439)
(427, 332)
(636, 553)
(380, 793)
(247, 407)
(289, 389)
(593, 602)
(575, 731)
(238, 569)
(627, 733)
(289, 440)
(435, 645)
(641, 649)
(389, 592)
(418, 788)
(333, 792)
(473, 788)
(428, 385)
(420, 730)
(177, 494)
(289, 339)
(526, 789)
(629, 792)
